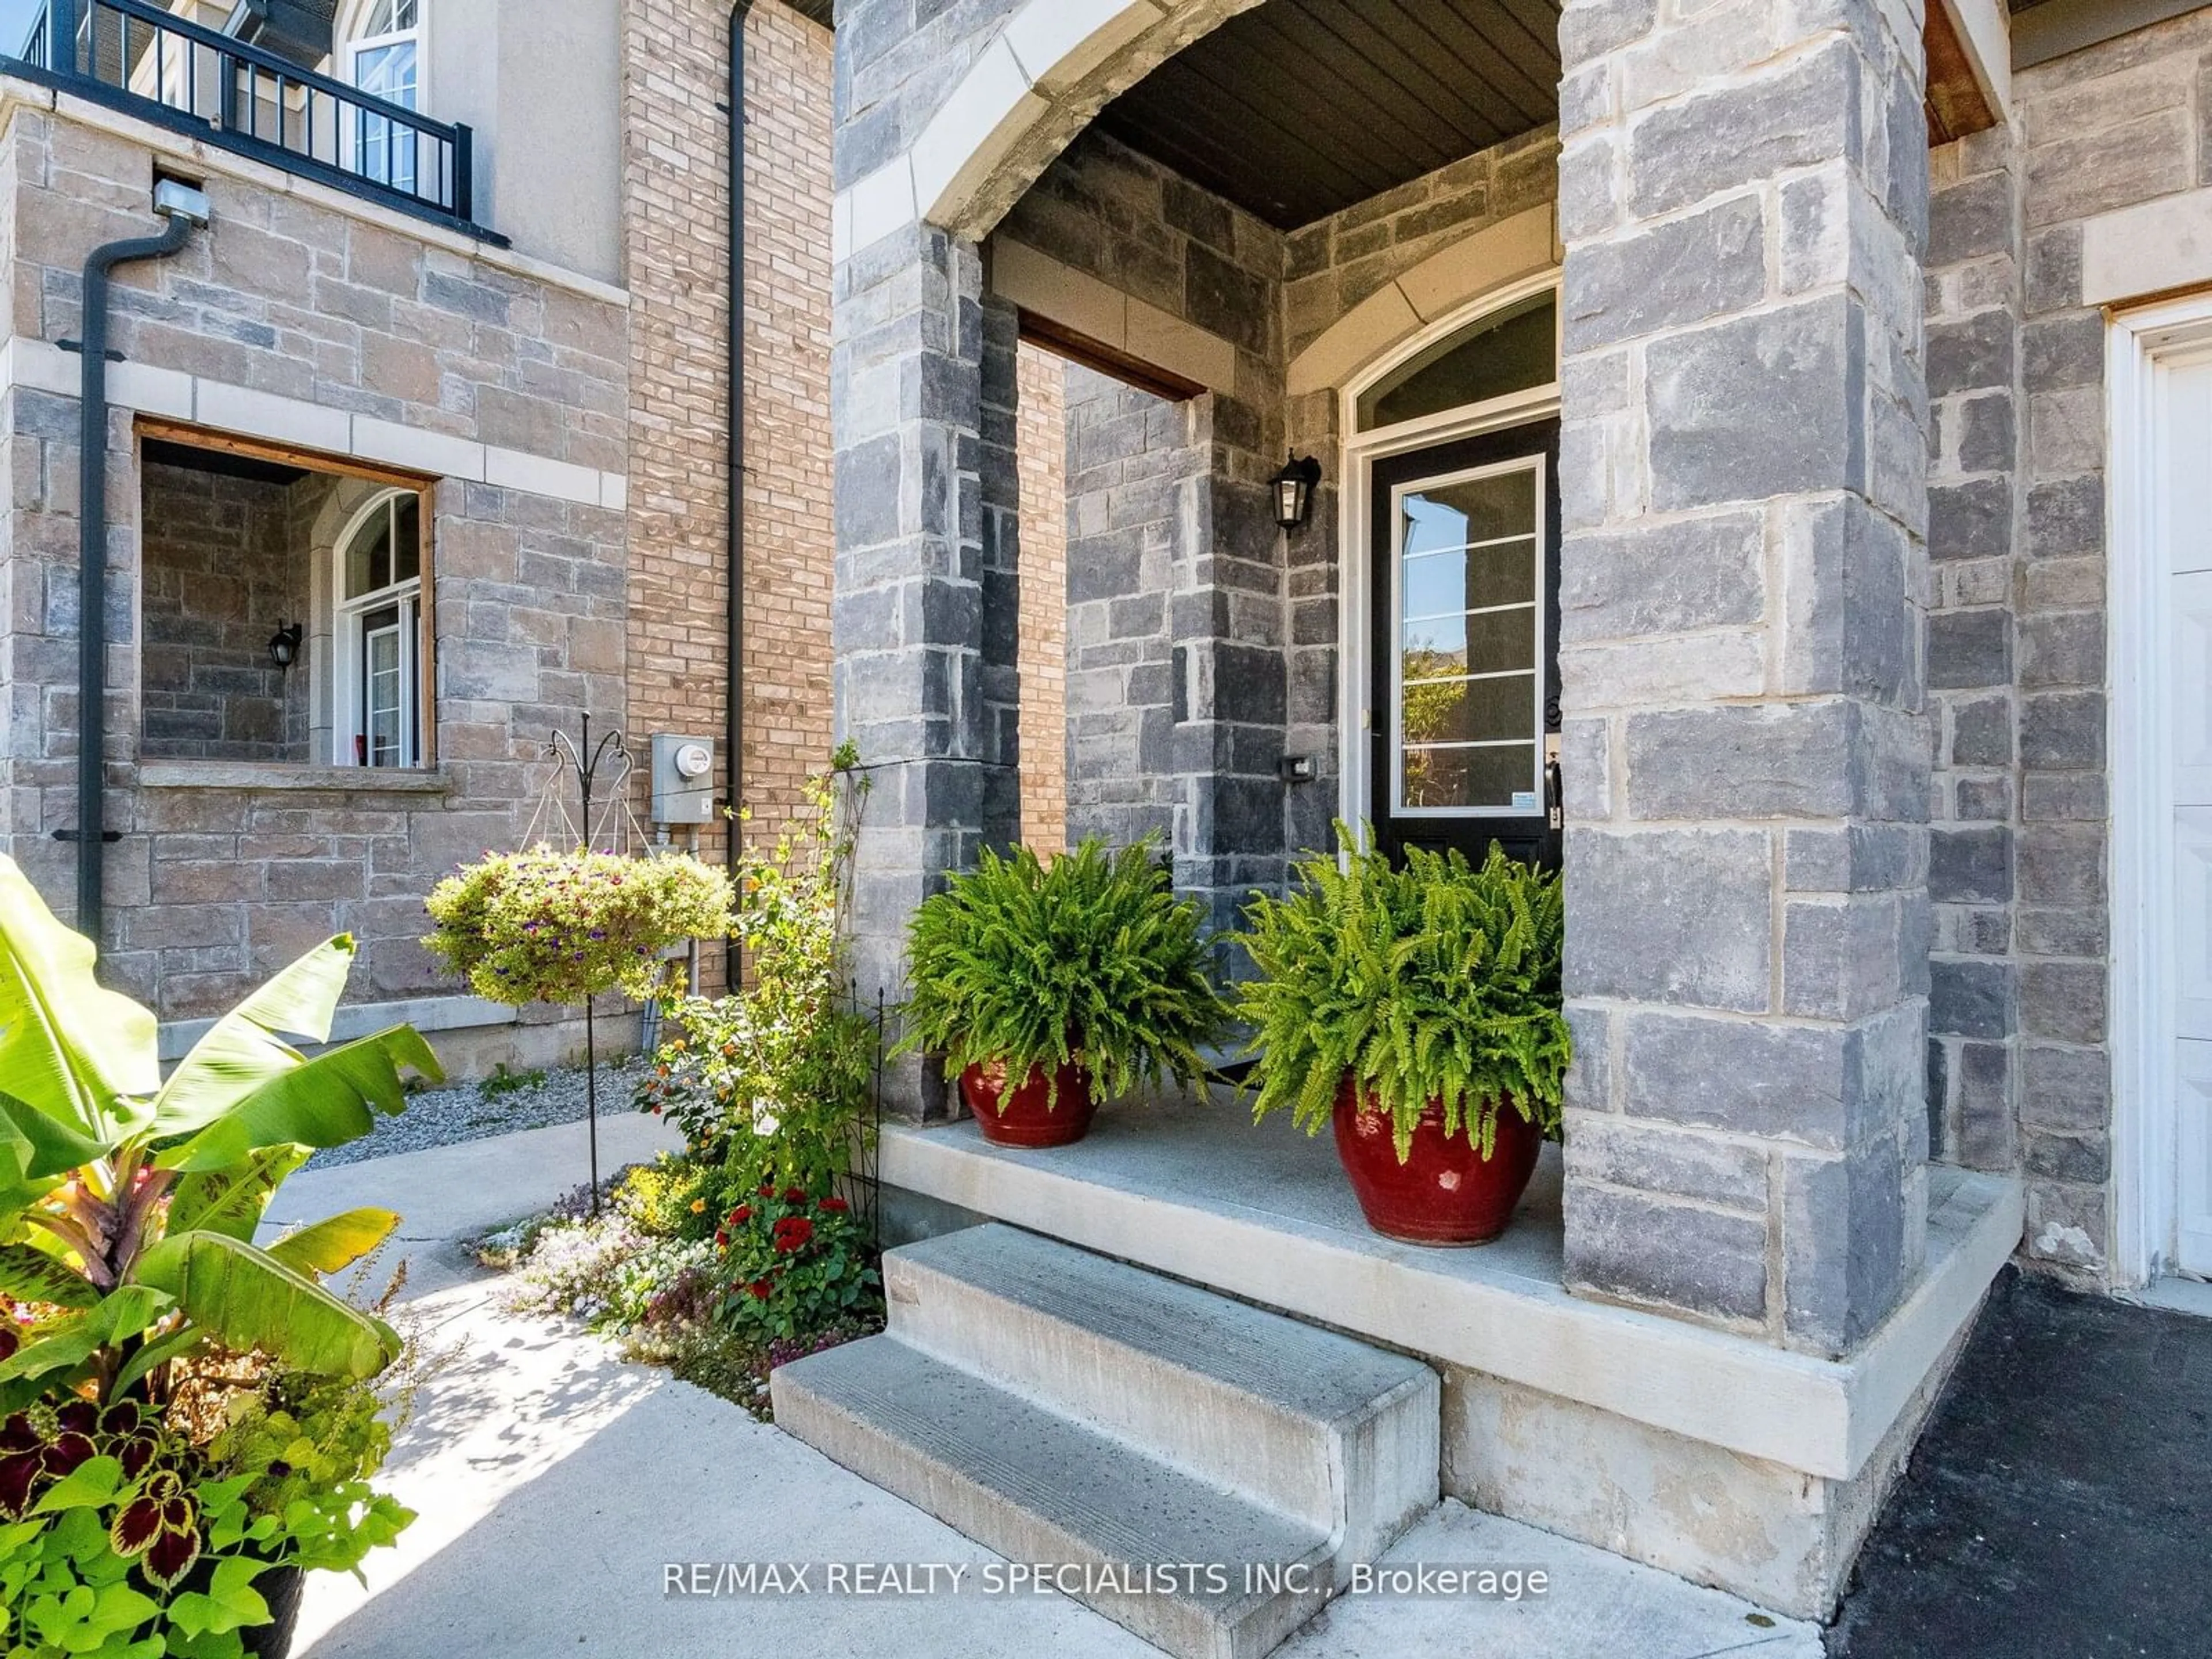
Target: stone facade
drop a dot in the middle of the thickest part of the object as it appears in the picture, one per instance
(298, 318)
(1746, 763)
(1177, 630)
(1042, 441)
(2020, 1072)
(575, 569)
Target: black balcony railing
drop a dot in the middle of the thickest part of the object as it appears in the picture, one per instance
(140, 58)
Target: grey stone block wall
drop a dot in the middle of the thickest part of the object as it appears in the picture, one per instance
(1745, 466)
(2123, 123)
(1974, 539)
(225, 566)
(907, 377)
(1179, 625)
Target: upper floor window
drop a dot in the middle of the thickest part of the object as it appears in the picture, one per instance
(384, 57)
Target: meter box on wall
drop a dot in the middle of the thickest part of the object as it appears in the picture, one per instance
(682, 779)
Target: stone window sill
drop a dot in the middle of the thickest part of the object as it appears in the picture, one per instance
(259, 775)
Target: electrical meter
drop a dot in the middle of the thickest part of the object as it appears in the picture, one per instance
(682, 779)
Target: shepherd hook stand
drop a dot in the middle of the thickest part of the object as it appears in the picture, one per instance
(583, 759)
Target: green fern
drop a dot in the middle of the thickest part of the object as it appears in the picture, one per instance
(1088, 961)
(1438, 982)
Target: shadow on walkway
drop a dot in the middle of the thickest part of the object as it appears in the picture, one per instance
(2060, 1503)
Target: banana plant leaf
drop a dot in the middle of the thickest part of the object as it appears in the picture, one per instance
(231, 1201)
(28, 1273)
(86, 1057)
(36, 1148)
(245, 1299)
(73, 1339)
(243, 1050)
(333, 1245)
(325, 1102)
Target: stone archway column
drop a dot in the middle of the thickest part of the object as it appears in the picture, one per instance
(912, 572)
(1743, 206)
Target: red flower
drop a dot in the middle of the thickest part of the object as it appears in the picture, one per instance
(834, 1205)
(741, 1215)
(793, 1233)
(759, 1289)
(795, 1195)
(721, 1240)
(766, 1190)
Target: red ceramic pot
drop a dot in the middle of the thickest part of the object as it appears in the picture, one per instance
(1026, 1122)
(1444, 1192)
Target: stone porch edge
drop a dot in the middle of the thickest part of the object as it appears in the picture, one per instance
(146, 389)
(1824, 1418)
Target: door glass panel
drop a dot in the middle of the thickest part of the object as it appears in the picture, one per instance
(1508, 351)
(1439, 779)
(1470, 711)
(1469, 617)
(383, 699)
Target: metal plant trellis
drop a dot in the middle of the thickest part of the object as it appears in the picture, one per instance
(583, 761)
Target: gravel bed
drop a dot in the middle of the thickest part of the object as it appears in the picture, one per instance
(440, 1117)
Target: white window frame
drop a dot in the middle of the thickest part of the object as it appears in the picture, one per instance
(1360, 450)
(353, 44)
(348, 642)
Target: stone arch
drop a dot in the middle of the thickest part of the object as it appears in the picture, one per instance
(1023, 99)
(1449, 282)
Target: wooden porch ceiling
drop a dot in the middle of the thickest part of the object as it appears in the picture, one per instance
(1301, 108)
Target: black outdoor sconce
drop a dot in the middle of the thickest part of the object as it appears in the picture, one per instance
(284, 645)
(1294, 491)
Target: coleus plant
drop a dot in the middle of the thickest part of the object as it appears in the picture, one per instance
(129, 1204)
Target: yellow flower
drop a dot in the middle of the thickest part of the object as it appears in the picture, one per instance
(698, 1207)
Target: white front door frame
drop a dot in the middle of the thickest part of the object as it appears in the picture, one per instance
(2146, 1122)
(1357, 456)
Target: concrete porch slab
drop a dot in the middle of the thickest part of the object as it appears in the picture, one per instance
(1194, 1190)
(1712, 1455)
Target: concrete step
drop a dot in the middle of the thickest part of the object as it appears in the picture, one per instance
(1329, 1431)
(1132, 1537)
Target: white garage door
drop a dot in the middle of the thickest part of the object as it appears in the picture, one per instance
(2186, 808)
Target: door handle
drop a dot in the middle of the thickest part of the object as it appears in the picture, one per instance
(1555, 793)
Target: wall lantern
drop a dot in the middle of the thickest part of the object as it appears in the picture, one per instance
(284, 645)
(1294, 489)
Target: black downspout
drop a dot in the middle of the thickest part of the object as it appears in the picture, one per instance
(91, 568)
(733, 738)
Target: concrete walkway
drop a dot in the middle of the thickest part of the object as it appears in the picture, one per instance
(556, 1486)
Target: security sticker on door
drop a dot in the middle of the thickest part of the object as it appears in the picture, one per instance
(1524, 801)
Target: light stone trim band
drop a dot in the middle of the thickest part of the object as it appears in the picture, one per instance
(40, 366)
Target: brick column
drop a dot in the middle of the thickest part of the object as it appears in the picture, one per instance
(911, 582)
(1746, 500)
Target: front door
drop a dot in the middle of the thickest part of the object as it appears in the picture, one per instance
(1465, 609)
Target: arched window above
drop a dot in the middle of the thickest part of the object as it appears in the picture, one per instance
(1512, 349)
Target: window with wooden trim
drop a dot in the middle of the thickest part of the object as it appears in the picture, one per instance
(286, 605)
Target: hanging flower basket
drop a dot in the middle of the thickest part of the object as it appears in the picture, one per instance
(544, 926)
